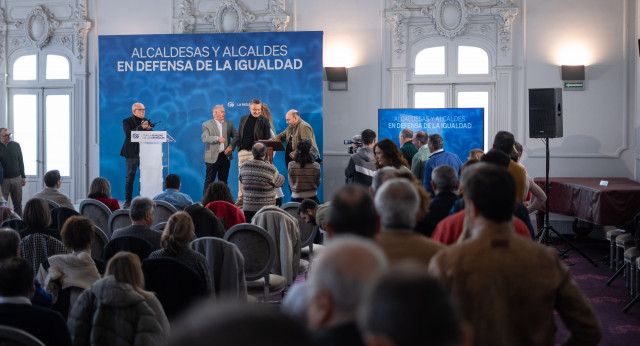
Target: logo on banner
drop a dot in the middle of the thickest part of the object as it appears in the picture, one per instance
(135, 135)
(231, 104)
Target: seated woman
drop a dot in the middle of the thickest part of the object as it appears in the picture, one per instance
(116, 310)
(304, 174)
(37, 217)
(100, 190)
(217, 191)
(76, 269)
(387, 154)
(175, 241)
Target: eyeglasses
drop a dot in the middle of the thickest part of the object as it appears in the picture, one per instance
(141, 109)
(6, 135)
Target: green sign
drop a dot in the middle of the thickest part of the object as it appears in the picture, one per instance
(574, 85)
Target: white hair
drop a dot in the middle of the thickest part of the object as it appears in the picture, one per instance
(345, 269)
(397, 202)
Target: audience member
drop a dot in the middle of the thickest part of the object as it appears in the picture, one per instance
(304, 174)
(504, 142)
(238, 325)
(444, 182)
(172, 194)
(217, 191)
(76, 269)
(421, 142)
(10, 248)
(387, 154)
(362, 164)
(339, 277)
(175, 241)
(52, 181)
(535, 192)
(205, 222)
(406, 145)
(141, 214)
(312, 212)
(259, 179)
(352, 211)
(37, 217)
(100, 190)
(475, 154)
(421, 308)
(438, 157)
(492, 270)
(116, 310)
(397, 204)
(16, 288)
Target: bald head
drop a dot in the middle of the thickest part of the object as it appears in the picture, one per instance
(259, 151)
(292, 117)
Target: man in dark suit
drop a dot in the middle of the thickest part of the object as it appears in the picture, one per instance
(141, 213)
(131, 151)
(16, 287)
(444, 182)
(217, 135)
(253, 127)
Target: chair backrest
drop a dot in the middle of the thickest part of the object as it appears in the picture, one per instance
(206, 223)
(226, 266)
(96, 211)
(99, 241)
(307, 230)
(159, 226)
(283, 228)
(138, 246)
(10, 336)
(52, 204)
(257, 248)
(16, 224)
(163, 211)
(175, 284)
(231, 214)
(118, 219)
(37, 247)
(59, 215)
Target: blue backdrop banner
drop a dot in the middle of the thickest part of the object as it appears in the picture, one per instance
(462, 129)
(179, 78)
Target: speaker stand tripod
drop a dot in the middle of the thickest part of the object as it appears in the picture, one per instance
(543, 233)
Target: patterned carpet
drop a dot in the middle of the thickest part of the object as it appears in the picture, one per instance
(618, 328)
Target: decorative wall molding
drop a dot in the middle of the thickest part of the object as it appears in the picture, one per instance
(201, 16)
(60, 24)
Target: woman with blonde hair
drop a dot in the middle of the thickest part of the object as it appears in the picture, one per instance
(100, 189)
(116, 310)
(176, 237)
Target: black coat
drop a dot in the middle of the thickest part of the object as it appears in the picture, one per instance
(130, 150)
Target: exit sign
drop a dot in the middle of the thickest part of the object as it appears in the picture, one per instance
(574, 85)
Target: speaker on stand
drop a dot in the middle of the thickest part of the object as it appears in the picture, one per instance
(545, 121)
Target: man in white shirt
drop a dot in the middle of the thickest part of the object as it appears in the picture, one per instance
(217, 135)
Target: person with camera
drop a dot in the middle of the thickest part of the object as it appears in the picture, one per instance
(362, 164)
(131, 150)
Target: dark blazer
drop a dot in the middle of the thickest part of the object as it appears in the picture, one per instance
(45, 324)
(438, 209)
(129, 149)
(262, 129)
(141, 232)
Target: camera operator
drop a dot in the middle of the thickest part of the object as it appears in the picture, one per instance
(362, 164)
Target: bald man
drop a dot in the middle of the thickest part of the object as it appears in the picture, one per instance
(131, 151)
(297, 131)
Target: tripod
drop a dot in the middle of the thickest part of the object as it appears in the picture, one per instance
(543, 233)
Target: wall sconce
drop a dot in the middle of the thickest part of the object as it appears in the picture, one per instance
(572, 77)
(337, 78)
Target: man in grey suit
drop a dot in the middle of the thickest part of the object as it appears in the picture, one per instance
(219, 138)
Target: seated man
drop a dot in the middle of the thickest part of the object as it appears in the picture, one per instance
(421, 308)
(444, 181)
(16, 288)
(397, 202)
(519, 281)
(172, 194)
(52, 181)
(141, 213)
(337, 281)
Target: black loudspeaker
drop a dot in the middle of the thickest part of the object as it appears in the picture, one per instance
(545, 113)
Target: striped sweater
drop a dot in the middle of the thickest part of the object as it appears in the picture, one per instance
(259, 180)
(304, 182)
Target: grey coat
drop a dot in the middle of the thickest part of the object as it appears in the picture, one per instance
(210, 135)
(113, 313)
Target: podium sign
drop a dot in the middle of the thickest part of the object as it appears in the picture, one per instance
(150, 160)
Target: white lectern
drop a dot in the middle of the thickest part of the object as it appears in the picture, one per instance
(150, 160)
